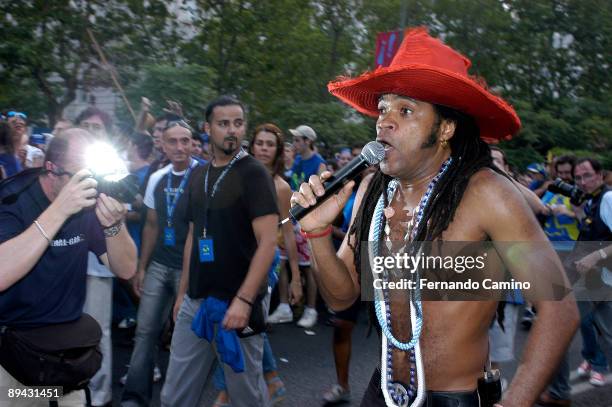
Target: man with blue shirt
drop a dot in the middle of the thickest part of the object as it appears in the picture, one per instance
(49, 222)
(163, 241)
(308, 162)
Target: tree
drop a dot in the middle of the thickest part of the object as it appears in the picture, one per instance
(191, 85)
(47, 42)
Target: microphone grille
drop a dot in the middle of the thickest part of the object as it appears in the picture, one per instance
(373, 152)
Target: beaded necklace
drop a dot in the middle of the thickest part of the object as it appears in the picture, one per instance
(396, 393)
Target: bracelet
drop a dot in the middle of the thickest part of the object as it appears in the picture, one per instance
(603, 254)
(244, 300)
(114, 230)
(42, 231)
(326, 232)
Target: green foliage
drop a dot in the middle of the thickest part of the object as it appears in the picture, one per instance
(549, 58)
(189, 84)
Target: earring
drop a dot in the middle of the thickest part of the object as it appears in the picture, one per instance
(444, 143)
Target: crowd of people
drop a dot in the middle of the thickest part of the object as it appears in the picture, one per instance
(198, 251)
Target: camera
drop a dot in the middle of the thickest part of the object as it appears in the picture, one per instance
(124, 190)
(575, 194)
(111, 173)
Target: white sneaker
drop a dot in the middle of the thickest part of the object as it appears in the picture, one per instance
(281, 315)
(597, 379)
(157, 376)
(584, 370)
(309, 318)
(337, 394)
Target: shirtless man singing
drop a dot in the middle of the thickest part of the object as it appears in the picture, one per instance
(436, 182)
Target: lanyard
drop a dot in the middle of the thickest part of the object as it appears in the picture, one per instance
(215, 187)
(171, 203)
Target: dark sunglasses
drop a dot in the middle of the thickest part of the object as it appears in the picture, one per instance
(17, 114)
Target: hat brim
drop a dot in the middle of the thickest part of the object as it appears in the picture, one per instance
(496, 119)
(297, 133)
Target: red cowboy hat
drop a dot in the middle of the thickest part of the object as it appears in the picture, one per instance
(426, 69)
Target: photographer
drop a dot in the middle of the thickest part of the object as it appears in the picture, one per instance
(595, 316)
(49, 221)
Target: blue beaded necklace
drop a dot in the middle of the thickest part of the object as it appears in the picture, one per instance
(395, 393)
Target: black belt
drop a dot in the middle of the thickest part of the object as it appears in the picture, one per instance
(373, 396)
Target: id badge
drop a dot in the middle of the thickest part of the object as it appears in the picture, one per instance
(207, 253)
(169, 236)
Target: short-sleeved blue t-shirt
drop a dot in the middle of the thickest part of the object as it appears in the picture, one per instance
(54, 290)
(303, 169)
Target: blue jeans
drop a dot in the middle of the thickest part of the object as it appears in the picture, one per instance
(268, 365)
(595, 314)
(160, 287)
(591, 314)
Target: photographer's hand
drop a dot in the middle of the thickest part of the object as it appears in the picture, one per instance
(109, 211)
(78, 193)
(120, 248)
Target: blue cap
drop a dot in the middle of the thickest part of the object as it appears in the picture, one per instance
(537, 168)
(38, 139)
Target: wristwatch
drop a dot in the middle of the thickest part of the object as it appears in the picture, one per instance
(114, 230)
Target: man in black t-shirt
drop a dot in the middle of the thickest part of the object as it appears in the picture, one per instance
(230, 246)
(49, 221)
(163, 241)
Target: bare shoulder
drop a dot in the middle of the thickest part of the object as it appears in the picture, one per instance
(492, 190)
(282, 187)
(497, 206)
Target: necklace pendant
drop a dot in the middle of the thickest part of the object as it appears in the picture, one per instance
(389, 212)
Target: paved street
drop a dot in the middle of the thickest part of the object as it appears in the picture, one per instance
(306, 365)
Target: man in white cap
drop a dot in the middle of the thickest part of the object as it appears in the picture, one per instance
(307, 163)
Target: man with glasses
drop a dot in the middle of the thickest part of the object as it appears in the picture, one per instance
(163, 242)
(46, 233)
(595, 316)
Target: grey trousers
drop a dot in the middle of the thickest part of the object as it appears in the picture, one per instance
(98, 304)
(192, 359)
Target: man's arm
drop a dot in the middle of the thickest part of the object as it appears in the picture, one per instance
(264, 228)
(510, 220)
(121, 255)
(19, 254)
(150, 233)
(337, 278)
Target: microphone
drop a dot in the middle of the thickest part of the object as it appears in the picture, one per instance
(372, 154)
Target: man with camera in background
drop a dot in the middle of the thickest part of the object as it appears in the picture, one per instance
(49, 222)
(595, 220)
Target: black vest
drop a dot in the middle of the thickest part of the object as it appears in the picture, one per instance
(593, 228)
